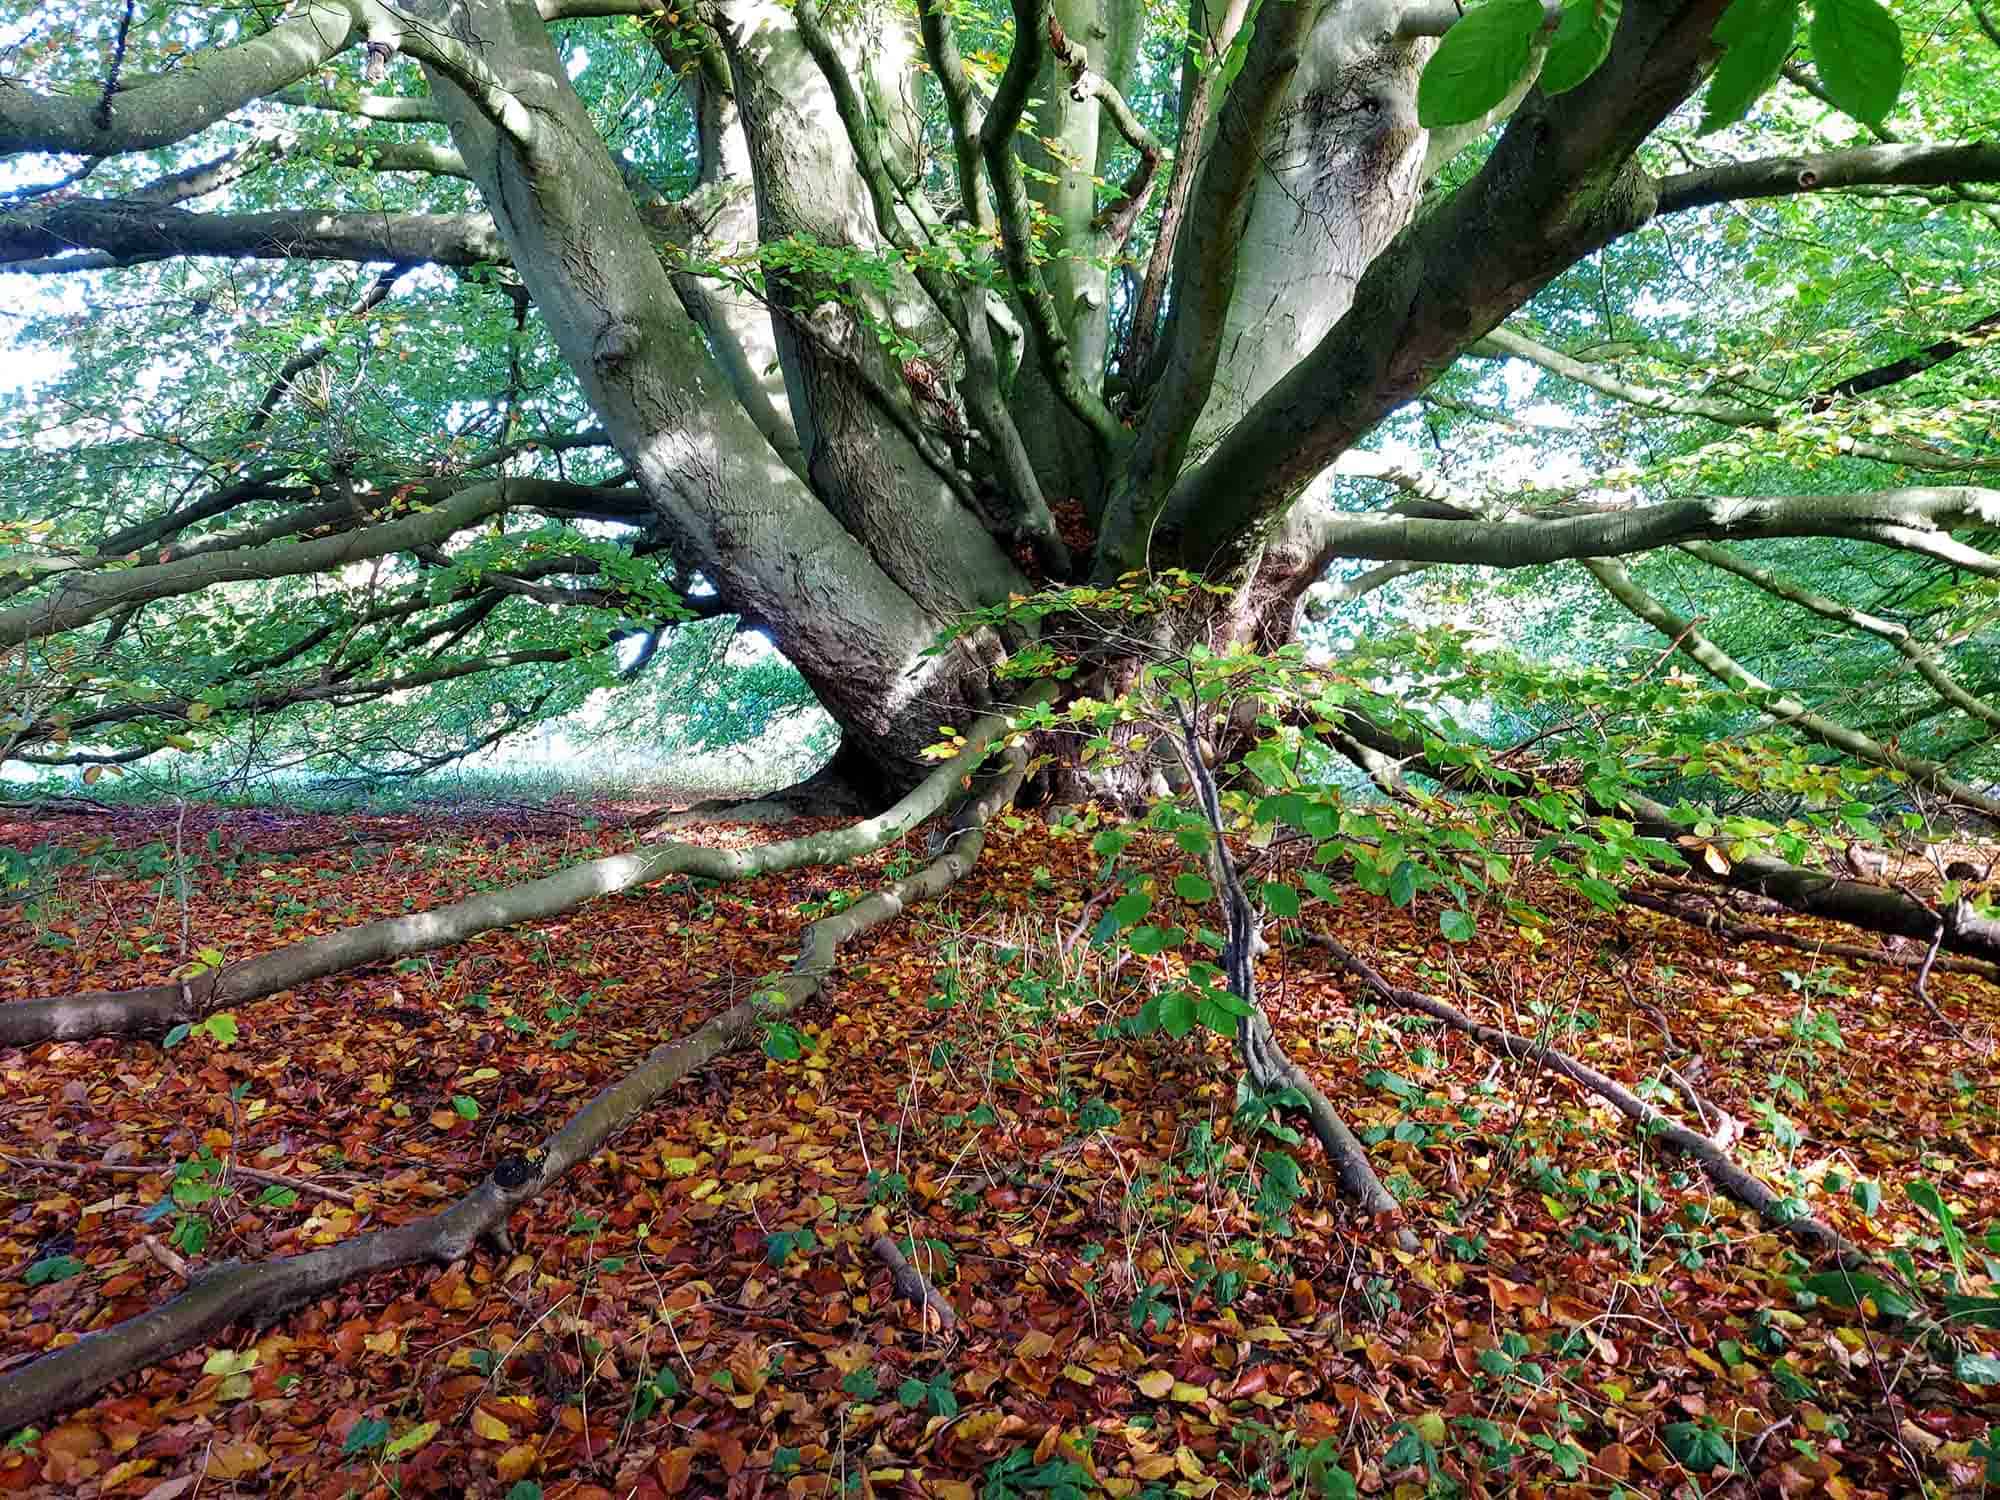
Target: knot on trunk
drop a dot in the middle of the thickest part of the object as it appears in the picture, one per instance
(617, 341)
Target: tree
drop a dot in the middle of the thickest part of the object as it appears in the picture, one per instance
(868, 327)
(844, 320)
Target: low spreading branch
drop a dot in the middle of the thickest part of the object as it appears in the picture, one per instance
(1744, 1187)
(264, 1290)
(1783, 707)
(1264, 1056)
(153, 1010)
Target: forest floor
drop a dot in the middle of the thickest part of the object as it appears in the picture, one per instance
(698, 1312)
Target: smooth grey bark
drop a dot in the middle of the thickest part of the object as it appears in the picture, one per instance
(1340, 175)
(1560, 184)
(132, 233)
(809, 185)
(730, 505)
(1068, 147)
(1918, 519)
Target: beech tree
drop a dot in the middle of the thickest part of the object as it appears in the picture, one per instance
(461, 355)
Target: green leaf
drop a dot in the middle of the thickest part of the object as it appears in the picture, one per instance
(277, 1197)
(1975, 1312)
(1699, 1446)
(1479, 60)
(1193, 888)
(369, 1432)
(1148, 940)
(1859, 51)
(912, 1392)
(53, 1268)
(1756, 36)
(784, 1044)
(862, 1384)
(1581, 43)
(525, 1489)
(1977, 1369)
(1847, 1288)
(221, 1028)
(1280, 899)
(1177, 1012)
(176, 1036)
(1130, 907)
(1403, 884)
(1215, 1015)
(1867, 1197)
(1926, 1196)
(1455, 925)
(1320, 886)
(466, 1105)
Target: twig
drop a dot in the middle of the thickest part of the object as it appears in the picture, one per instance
(913, 1284)
(165, 1257)
(121, 1169)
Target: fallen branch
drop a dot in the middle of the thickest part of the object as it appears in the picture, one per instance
(914, 1285)
(264, 1290)
(1744, 1187)
(122, 1169)
(156, 1009)
(1740, 932)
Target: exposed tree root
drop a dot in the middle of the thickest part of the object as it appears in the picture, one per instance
(156, 1009)
(911, 1283)
(262, 1291)
(1739, 932)
(1744, 1187)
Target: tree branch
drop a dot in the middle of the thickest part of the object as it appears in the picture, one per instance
(39, 238)
(159, 111)
(1003, 167)
(1906, 645)
(1782, 706)
(1888, 165)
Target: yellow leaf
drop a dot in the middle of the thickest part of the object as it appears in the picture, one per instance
(412, 1440)
(229, 1362)
(1156, 1383)
(1035, 1345)
(1080, 1375)
(490, 1427)
(1186, 1462)
(515, 1462)
(234, 1460)
(1191, 1395)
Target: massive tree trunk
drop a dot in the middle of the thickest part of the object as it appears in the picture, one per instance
(854, 406)
(734, 508)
